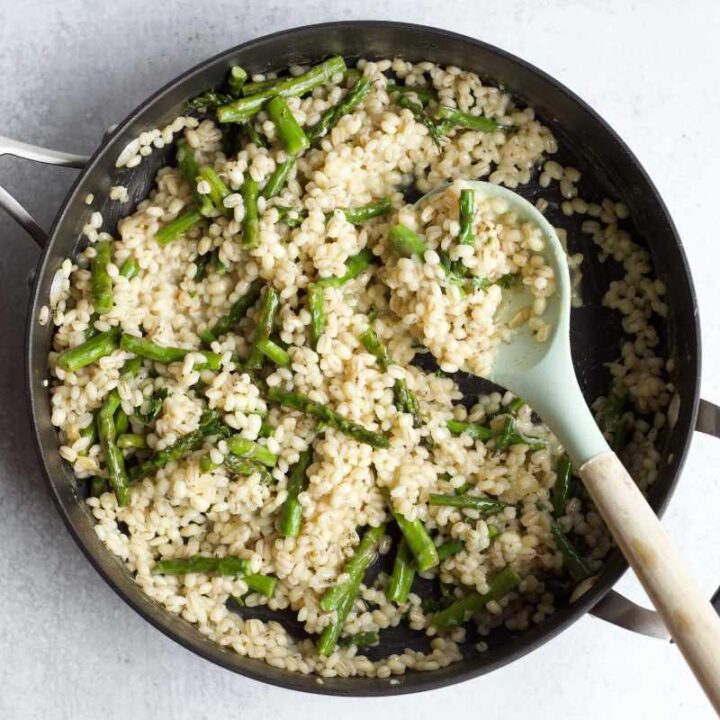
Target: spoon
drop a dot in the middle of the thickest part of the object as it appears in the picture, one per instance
(542, 374)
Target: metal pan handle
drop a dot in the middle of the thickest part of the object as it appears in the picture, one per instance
(23, 150)
(616, 608)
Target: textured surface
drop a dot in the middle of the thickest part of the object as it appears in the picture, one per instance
(70, 648)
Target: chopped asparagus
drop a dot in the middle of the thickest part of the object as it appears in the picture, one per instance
(177, 227)
(291, 512)
(100, 282)
(237, 311)
(484, 505)
(89, 352)
(251, 222)
(268, 311)
(289, 130)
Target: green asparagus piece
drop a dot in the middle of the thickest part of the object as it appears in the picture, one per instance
(186, 162)
(122, 423)
(330, 635)
(493, 531)
(201, 266)
(371, 342)
(237, 78)
(403, 574)
(100, 282)
(289, 130)
(448, 549)
(424, 94)
(200, 564)
(353, 267)
(209, 100)
(316, 306)
(98, 486)
(131, 440)
(218, 189)
(268, 311)
(157, 353)
(361, 639)
(258, 86)
(406, 242)
(156, 404)
(244, 108)
(209, 425)
(129, 269)
(512, 408)
(302, 403)
(446, 118)
(177, 227)
(352, 76)
(561, 487)
(505, 581)
(276, 181)
(274, 352)
(360, 215)
(347, 105)
(612, 420)
(89, 352)
(510, 436)
(364, 556)
(474, 430)
(291, 512)
(416, 536)
(467, 214)
(114, 461)
(484, 505)
(89, 435)
(244, 448)
(251, 223)
(242, 466)
(237, 311)
(574, 564)
(263, 584)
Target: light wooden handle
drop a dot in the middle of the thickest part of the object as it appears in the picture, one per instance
(688, 615)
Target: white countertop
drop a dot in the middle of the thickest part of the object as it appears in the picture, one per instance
(69, 647)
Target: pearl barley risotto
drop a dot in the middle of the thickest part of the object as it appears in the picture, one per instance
(241, 371)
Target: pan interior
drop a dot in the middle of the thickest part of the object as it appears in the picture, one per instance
(609, 171)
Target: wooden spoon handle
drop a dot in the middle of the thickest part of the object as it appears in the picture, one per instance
(688, 615)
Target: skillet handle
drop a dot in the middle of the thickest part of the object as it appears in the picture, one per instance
(617, 609)
(17, 212)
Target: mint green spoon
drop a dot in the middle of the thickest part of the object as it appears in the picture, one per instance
(543, 375)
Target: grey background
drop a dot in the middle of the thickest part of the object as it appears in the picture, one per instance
(69, 648)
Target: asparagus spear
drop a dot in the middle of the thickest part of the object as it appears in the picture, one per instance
(89, 352)
(228, 565)
(186, 162)
(403, 574)
(364, 556)
(302, 403)
(114, 461)
(89, 435)
(405, 399)
(244, 448)
(360, 215)
(510, 436)
(561, 487)
(361, 639)
(347, 105)
(420, 116)
(254, 136)
(291, 134)
(274, 352)
(484, 505)
(129, 269)
(474, 430)
(416, 536)
(612, 420)
(291, 512)
(155, 406)
(237, 78)
(447, 118)
(330, 635)
(237, 312)
(98, 486)
(406, 242)
(181, 448)
(268, 311)
(505, 581)
(177, 227)
(448, 549)
(424, 94)
(244, 108)
(257, 86)
(242, 466)
(316, 306)
(467, 214)
(353, 267)
(276, 181)
(251, 223)
(573, 562)
(131, 440)
(218, 189)
(157, 353)
(263, 584)
(100, 282)
(209, 100)
(122, 423)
